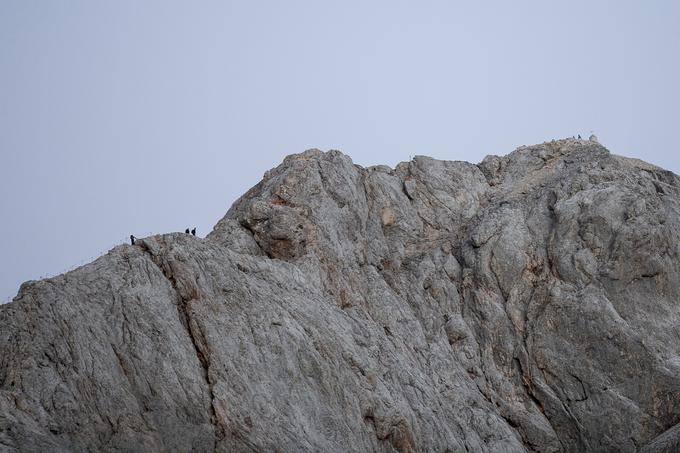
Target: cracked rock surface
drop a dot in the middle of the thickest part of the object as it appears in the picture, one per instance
(527, 303)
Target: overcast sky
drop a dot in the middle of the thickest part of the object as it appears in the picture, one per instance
(125, 117)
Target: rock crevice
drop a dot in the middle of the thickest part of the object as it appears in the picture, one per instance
(183, 303)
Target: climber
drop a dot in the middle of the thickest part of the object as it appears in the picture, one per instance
(579, 136)
(186, 231)
(132, 240)
(193, 231)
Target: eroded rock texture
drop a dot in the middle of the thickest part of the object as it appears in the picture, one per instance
(528, 303)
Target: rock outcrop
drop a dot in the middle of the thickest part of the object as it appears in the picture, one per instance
(528, 303)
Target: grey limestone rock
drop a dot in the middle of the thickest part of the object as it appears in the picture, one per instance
(528, 303)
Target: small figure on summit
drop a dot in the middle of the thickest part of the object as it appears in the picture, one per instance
(132, 240)
(193, 231)
(186, 231)
(579, 136)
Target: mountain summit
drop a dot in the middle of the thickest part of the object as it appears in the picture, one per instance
(527, 303)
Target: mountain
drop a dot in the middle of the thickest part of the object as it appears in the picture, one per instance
(527, 303)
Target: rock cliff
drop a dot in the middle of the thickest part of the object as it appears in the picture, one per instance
(527, 303)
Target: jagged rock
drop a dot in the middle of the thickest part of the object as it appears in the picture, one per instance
(528, 303)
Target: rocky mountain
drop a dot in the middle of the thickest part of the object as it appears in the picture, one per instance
(527, 303)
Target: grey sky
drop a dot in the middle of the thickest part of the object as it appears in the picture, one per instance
(127, 117)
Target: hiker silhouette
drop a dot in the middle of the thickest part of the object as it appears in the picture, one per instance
(193, 231)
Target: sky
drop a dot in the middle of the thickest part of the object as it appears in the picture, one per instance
(138, 117)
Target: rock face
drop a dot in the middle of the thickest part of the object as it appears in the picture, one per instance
(528, 303)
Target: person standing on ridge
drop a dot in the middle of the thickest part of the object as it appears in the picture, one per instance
(193, 231)
(132, 240)
(186, 231)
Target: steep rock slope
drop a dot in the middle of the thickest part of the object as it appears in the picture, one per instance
(528, 303)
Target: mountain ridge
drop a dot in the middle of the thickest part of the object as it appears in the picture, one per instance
(525, 303)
